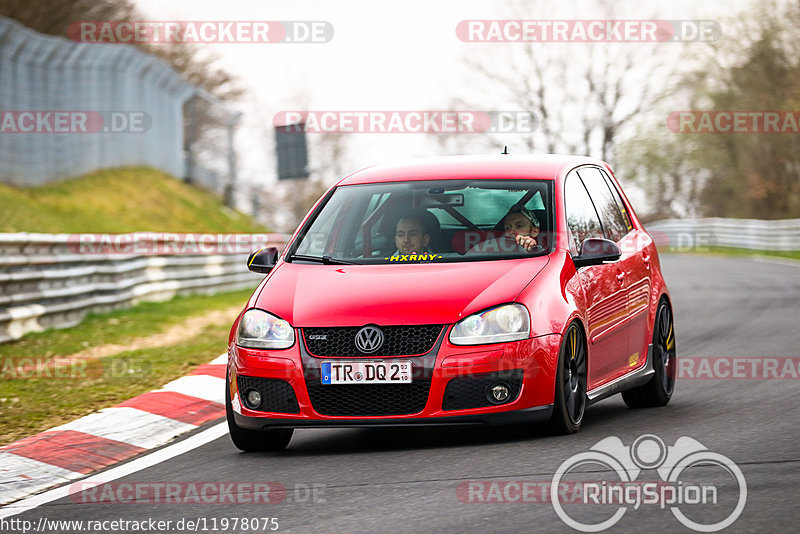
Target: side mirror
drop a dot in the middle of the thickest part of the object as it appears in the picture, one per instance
(263, 260)
(595, 251)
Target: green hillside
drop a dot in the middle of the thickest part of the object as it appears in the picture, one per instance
(117, 201)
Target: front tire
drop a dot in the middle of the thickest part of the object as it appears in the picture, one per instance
(254, 440)
(658, 391)
(570, 395)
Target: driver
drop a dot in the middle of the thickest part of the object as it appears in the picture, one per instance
(413, 235)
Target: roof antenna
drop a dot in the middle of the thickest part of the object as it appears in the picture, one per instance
(505, 150)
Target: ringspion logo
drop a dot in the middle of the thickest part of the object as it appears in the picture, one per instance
(676, 490)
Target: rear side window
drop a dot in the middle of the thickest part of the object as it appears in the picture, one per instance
(615, 193)
(582, 218)
(614, 224)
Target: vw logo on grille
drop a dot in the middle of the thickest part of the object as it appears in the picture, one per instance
(369, 339)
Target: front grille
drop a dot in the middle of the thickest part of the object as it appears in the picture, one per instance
(398, 340)
(369, 399)
(471, 391)
(277, 396)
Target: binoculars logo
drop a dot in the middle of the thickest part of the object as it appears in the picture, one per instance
(647, 452)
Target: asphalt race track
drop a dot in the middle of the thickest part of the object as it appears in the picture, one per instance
(418, 480)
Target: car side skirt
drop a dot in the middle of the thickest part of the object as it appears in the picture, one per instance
(636, 378)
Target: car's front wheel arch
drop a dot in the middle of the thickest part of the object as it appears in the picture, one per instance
(571, 380)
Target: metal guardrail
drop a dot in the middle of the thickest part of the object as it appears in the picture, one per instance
(48, 281)
(751, 234)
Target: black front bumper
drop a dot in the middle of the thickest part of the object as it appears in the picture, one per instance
(536, 414)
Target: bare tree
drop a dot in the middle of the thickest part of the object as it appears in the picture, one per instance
(663, 165)
(583, 94)
(745, 175)
(54, 17)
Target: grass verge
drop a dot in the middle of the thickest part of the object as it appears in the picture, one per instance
(118, 200)
(34, 401)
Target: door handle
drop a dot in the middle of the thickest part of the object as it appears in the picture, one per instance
(646, 259)
(620, 277)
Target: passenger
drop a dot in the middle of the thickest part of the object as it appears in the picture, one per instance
(520, 229)
(522, 225)
(413, 235)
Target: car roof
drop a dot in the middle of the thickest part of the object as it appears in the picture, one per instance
(500, 167)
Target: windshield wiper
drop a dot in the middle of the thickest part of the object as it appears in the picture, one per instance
(327, 260)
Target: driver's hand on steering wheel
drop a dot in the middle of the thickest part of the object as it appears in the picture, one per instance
(525, 241)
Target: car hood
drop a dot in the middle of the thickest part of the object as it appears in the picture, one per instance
(354, 295)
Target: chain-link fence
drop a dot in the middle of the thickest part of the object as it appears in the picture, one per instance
(69, 108)
(208, 144)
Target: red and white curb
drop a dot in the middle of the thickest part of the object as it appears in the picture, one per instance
(104, 438)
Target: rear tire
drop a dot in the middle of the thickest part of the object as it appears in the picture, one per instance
(658, 391)
(570, 395)
(254, 440)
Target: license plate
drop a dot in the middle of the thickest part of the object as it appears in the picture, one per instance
(365, 372)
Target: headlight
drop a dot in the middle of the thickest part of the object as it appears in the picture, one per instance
(261, 330)
(509, 322)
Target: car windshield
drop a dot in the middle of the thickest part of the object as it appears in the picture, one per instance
(428, 221)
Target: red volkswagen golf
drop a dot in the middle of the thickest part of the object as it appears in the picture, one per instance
(474, 290)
